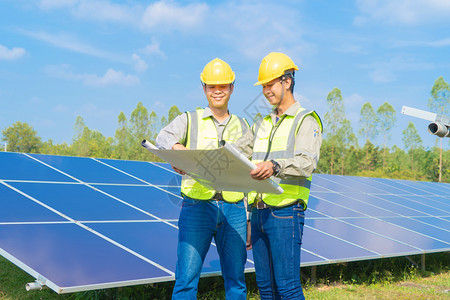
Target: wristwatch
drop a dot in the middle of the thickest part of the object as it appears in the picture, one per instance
(276, 168)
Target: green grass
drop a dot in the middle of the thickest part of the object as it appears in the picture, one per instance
(393, 278)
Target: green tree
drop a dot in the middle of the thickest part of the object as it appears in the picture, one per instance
(78, 128)
(122, 138)
(439, 103)
(140, 128)
(90, 143)
(163, 122)
(345, 139)
(386, 121)
(154, 124)
(411, 140)
(79, 145)
(55, 149)
(173, 113)
(21, 137)
(334, 120)
(372, 162)
(368, 128)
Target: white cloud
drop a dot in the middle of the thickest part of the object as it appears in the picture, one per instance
(55, 4)
(94, 115)
(254, 29)
(105, 11)
(437, 44)
(389, 69)
(11, 54)
(440, 43)
(99, 10)
(168, 15)
(88, 109)
(380, 75)
(158, 105)
(153, 49)
(139, 64)
(60, 108)
(354, 100)
(66, 41)
(350, 48)
(111, 77)
(403, 11)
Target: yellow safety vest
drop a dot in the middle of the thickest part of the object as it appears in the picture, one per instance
(202, 134)
(277, 142)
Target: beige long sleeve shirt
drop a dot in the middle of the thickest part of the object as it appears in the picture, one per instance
(307, 144)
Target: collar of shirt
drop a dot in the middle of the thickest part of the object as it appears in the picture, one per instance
(291, 111)
(208, 113)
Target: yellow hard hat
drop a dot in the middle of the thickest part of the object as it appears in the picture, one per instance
(217, 72)
(273, 66)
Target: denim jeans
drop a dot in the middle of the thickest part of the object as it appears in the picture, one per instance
(276, 240)
(200, 221)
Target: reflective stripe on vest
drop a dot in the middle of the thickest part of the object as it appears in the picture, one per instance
(278, 142)
(202, 134)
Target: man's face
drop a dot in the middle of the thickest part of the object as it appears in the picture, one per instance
(218, 95)
(273, 90)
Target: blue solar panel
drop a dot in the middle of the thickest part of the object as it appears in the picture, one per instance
(149, 172)
(77, 167)
(18, 208)
(82, 223)
(148, 198)
(22, 167)
(81, 202)
(69, 255)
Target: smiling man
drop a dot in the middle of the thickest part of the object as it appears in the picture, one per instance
(205, 213)
(285, 144)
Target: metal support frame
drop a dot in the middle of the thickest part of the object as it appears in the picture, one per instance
(313, 277)
(422, 261)
(313, 274)
(422, 265)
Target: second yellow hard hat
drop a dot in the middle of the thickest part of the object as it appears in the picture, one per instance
(273, 66)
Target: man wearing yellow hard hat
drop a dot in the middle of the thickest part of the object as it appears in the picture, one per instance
(206, 213)
(284, 144)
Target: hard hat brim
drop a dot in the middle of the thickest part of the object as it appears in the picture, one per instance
(275, 76)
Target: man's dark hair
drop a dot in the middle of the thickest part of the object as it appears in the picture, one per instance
(289, 74)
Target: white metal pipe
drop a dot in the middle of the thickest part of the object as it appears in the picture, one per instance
(33, 286)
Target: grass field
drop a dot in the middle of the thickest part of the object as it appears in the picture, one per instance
(394, 278)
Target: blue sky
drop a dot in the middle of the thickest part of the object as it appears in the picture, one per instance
(60, 59)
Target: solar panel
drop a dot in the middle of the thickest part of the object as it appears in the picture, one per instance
(83, 223)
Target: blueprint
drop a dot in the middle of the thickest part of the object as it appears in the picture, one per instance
(222, 169)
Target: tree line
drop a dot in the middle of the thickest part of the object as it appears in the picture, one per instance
(340, 153)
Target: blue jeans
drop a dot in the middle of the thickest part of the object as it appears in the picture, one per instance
(276, 240)
(199, 222)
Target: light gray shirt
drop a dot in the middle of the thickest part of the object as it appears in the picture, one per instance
(176, 131)
(307, 144)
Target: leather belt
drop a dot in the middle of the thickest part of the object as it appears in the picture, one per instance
(217, 197)
(261, 205)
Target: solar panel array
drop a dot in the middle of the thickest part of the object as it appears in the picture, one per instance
(84, 223)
